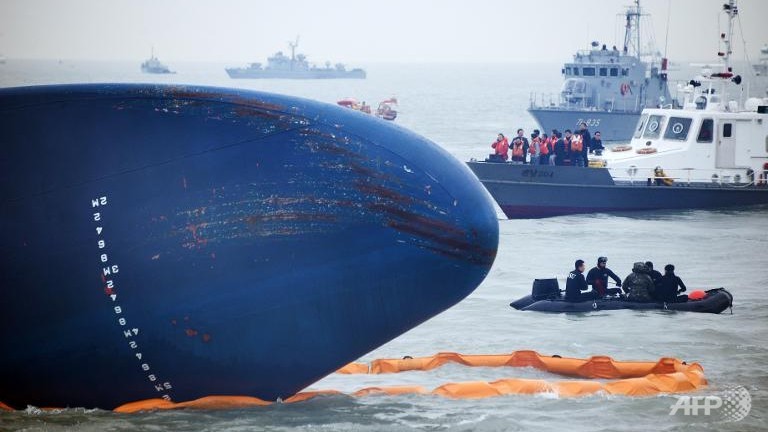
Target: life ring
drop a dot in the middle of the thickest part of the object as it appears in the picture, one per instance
(621, 148)
(625, 88)
(646, 150)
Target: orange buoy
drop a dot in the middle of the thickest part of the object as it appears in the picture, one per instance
(697, 295)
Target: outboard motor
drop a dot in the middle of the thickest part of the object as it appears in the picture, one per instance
(545, 289)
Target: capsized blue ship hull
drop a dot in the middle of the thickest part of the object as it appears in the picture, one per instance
(534, 191)
(178, 242)
(614, 126)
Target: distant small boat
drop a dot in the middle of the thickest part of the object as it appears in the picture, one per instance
(154, 66)
(386, 109)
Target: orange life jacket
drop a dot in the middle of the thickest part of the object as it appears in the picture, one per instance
(517, 149)
(535, 143)
(544, 147)
(501, 147)
(577, 143)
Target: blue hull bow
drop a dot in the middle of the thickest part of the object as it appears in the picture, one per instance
(178, 242)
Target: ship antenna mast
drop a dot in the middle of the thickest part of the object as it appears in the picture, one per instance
(632, 28)
(731, 10)
(293, 46)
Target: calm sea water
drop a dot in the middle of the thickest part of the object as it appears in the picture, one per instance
(463, 107)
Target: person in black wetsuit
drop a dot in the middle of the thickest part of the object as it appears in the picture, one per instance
(670, 285)
(576, 284)
(598, 279)
(654, 274)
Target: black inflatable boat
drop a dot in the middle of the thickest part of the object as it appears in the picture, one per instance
(546, 297)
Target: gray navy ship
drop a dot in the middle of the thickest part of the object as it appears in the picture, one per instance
(607, 88)
(154, 66)
(294, 67)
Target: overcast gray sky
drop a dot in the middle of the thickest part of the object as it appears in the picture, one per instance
(358, 31)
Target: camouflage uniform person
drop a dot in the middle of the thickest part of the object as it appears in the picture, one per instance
(638, 285)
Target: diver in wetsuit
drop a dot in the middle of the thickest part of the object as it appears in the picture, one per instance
(598, 279)
(669, 286)
(576, 284)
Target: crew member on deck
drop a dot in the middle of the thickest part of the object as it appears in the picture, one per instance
(561, 151)
(518, 151)
(596, 144)
(576, 284)
(598, 279)
(534, 150)
(577, 150)
(586, 142)
(564, 155)
(545, 148)
(501, 149)
(521, 141)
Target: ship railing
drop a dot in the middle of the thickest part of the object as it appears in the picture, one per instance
(556, 100)
(733, 177)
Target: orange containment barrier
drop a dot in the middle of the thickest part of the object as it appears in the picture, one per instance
(667, 375)
(593, 367)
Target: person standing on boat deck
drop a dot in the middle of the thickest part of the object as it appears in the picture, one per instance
(576, 284)
(598, 279)
(544, 150)
(553, 146)
(577, 150)
(586, 142)
(518, 151)
(534, 150)
(566, 155)
(561, 152)
(654, 274)
(501, 148)
(670, 286)
(638, 285)
(596, 144)
(523, 141)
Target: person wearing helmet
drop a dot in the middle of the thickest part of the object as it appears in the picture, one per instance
(598, 279)
(638, 285)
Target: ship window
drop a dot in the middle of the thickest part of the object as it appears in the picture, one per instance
(727, 130)
(603, 71)
(624, 72)
(705, 133)
(614, 72)
(677, 129)
(575, 71)
(589, 71)
(655, 125)
(640, 125)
